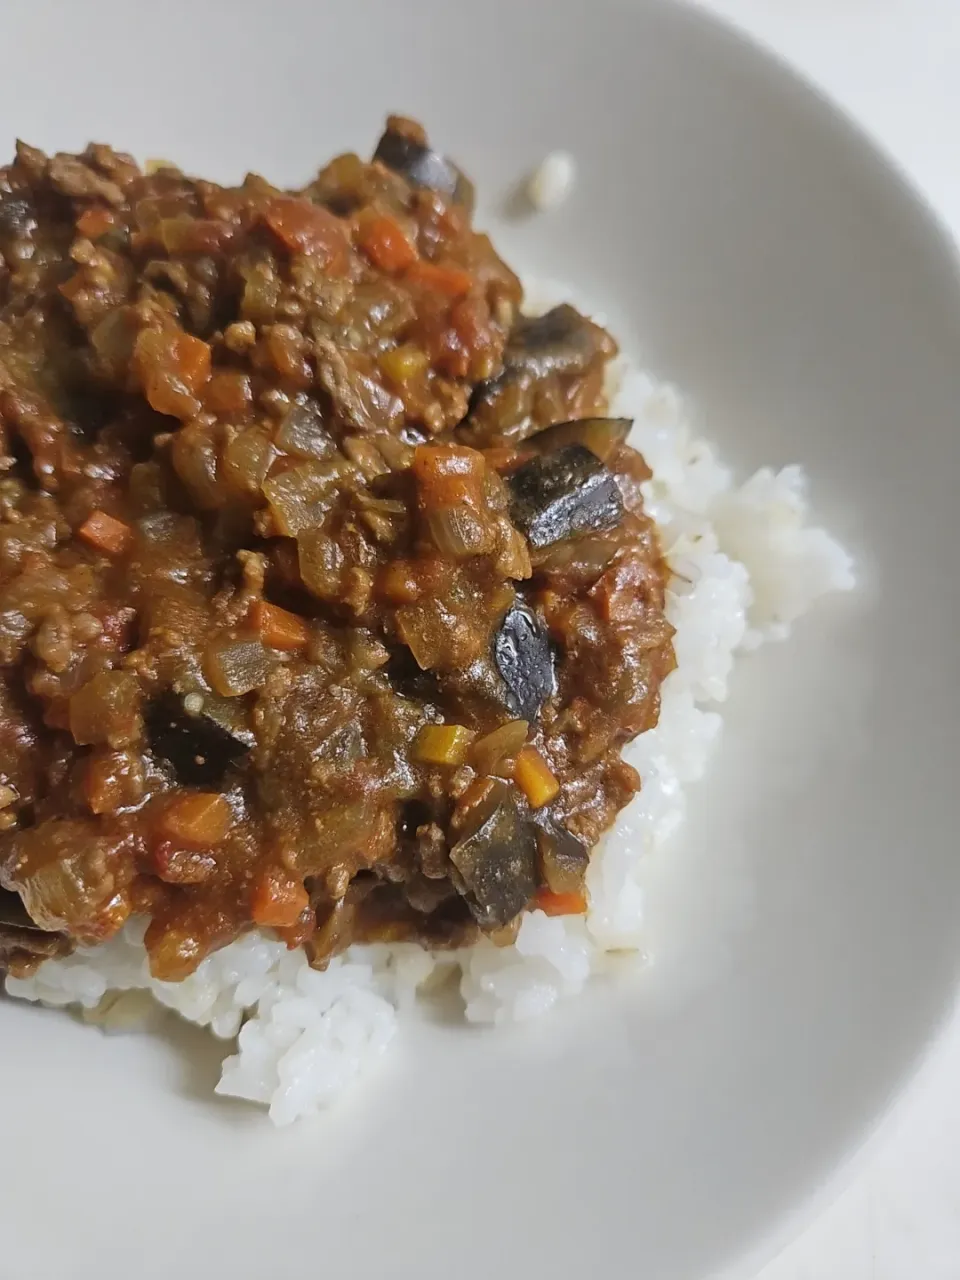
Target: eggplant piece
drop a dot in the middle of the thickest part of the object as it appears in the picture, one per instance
(407, 677)
(525, 659)
(17, 215)
(496, 863)
(564, 857)
(13, 913)
(24, 947)
(23, 943)
(560, 341)
(423, 167)
(18, 220)
(562, 495)
(557, 348)
(200, 750)
(602, 436)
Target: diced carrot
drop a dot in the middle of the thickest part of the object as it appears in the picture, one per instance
(96, 222)
(278, 900)
(442, 743)
(192, 358)
(228, 392)
(172, 367)
(383, 241)
(448, 475)
(285, 347)
(199, 818)
(452, 281)
(305, 227)
(105, 533)
(279, 628)
(560, 904)
(532, 775)
(403, 364)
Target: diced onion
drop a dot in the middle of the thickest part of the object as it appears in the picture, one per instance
(235, 667)
(247, 459)
(299, 498)
(502, 744)
(321, 563)
(304, 434)
(459, 531)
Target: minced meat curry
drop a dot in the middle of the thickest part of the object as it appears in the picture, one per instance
(327, 598)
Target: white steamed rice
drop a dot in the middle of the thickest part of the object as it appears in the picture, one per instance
(746, 567)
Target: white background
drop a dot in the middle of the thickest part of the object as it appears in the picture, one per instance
(894, 65)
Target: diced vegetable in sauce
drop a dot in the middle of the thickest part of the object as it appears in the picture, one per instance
(552, 372)
(602, 436)
(497, 749)
(563, 495)
(525, 660)
(199, 750)
(13, 912)
(560, 904)
(237, 666)
(442, 744)
(452, 495)
(559, 341)
(497, 862)
(279, 900)
(199, 818)
(401, 150)
(535, 778)
(105, 533)
(279, 628)
(107, 709)
(304, 434)
(563, 858)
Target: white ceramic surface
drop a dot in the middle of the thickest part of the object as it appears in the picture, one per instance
(807, 934)
(894, 65)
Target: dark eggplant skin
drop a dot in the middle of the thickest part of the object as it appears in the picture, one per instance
(559, 341)
(557, 347)
(524, 658)
(602, 436)
(497, 861)
(564, 858)
(564, 494)
(12, 911)
(423, 167)
(200, 751)
(21, 940)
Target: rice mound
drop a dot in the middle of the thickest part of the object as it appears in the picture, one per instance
(745, 567)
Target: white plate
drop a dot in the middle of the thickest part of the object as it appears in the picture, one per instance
(807, 934)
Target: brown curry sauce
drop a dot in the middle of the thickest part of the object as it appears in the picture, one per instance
(327, 597)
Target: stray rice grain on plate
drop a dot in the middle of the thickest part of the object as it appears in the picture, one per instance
(552, 181)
